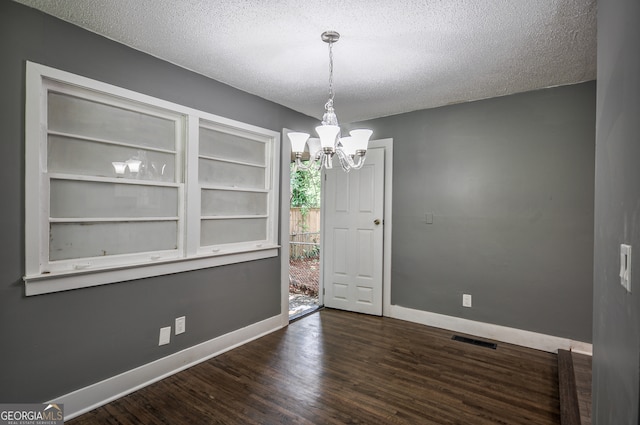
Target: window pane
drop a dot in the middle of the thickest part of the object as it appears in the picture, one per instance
(82, 240)
(76, 199)
(228, 146)
(227, 202)
(216, 232)
(73, 156)
(68, 114)
(231, 175)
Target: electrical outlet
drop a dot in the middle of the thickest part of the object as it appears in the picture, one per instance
(181, 325)
(466, 300)
(165, 336)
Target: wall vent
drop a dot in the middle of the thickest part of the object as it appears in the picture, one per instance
(475, 342)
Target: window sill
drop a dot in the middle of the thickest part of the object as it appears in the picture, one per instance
(64, 281)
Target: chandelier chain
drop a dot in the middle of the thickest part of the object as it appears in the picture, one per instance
(331, 71)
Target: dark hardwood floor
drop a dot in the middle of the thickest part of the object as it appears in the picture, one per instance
(334, 367)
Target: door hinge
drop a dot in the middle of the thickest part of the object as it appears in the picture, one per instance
(323, 291)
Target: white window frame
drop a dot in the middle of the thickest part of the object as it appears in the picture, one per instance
(270, 179)
(44, 276)
(62, 266)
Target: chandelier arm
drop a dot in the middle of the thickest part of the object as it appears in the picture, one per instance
(317, 165)
(345, 160)
(317, 160)
(360, 162)
(314, 162)
(299, 165)
(327, 161)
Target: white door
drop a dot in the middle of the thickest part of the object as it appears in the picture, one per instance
(353, 236)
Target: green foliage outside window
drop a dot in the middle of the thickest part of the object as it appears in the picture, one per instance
(305, 189)
(305, 196)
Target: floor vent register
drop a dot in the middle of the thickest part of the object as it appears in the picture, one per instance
(475, 342)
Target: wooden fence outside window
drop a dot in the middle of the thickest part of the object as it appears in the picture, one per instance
(304, 232)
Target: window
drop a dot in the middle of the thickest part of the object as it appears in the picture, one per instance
(234, 187)
(121, 185)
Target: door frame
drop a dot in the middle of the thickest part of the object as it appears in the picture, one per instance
(387, 145)
(285, 185)
(285, 193)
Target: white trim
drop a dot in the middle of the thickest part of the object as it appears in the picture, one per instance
(588, 352)
(232, 189)
(33, 131)
(229, 126)
(285, 203)
(323, 216)
(232, 217)
(515, 336)
(111, 219)
(116, 180)
(110, 142)
(231, 161)
(88, 398)
(66, 83)
(272, 181)
(36, 72)
(48, 283)
(387, 145)
(192, 214)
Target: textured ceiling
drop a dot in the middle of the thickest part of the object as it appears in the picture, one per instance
(393, 56)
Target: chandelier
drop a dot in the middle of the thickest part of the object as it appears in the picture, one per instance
(350, 150)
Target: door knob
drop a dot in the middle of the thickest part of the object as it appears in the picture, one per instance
(376, 221)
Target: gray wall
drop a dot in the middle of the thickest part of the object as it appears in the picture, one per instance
(616, 313)
(53, 344)
(510, 184)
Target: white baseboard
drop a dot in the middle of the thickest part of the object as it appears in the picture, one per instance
(100, 393)
(579, 350)
(487, 330)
